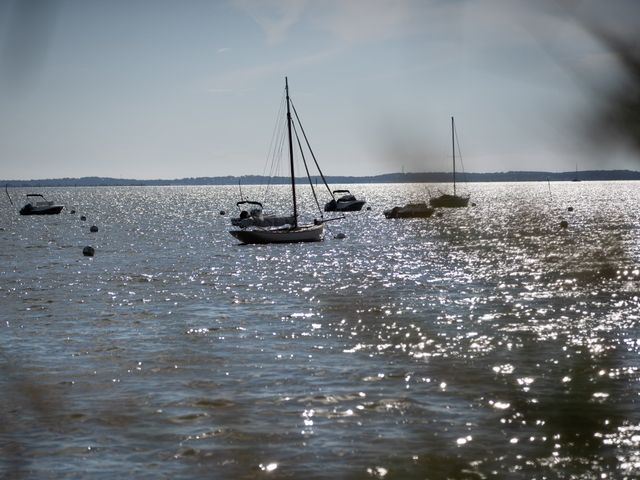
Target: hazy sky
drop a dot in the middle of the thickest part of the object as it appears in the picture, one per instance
(171, 89)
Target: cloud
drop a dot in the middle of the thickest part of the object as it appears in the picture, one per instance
(275, 17)
(360, 21)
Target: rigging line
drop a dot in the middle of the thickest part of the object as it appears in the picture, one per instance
(311, 150)
(304, 161)
(273, 146)
(455, 131)
(6, 189)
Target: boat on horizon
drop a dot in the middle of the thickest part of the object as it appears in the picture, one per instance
(40, 206)
(446, 200)
(294, 233)
(576, 179)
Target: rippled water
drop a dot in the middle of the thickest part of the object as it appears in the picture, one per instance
(485, 343)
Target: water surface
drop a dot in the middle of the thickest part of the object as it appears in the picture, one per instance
(484, 343)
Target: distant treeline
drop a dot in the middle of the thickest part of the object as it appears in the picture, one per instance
(435, 177)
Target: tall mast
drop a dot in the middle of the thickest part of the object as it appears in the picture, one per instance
(453, 145)
(293, 175)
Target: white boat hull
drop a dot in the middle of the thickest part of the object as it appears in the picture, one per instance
(307, 233)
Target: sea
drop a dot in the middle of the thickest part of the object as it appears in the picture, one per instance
(494, 341)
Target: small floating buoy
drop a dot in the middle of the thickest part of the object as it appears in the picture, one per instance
(83, 218)
(222, 212)
(564, 224)
(72, 212)
(340, 236)
(88, 251)
(473, 204)
(570, 209)
(369, 208)
(93, 229)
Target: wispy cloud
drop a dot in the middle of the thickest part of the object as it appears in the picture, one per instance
(358, 21)
(275, 17)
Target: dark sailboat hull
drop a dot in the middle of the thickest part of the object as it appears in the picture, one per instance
(449, 201)
(308, 233)
(411, 210)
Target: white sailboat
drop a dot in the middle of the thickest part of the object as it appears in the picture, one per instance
(446, 200)
(295, 232)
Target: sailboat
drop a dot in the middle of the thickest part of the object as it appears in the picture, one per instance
(576, 179)
(295, 232)
(446, 200)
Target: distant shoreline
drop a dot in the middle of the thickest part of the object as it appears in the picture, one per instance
(432, 177)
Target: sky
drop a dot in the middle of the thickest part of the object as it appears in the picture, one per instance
(171, 89)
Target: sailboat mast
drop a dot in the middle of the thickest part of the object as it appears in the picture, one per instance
(453, 146)
(293, 175)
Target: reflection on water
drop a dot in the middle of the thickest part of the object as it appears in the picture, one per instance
(488, 342)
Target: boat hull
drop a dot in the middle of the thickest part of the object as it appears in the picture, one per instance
(52, 210)
(449, 201)
(308, 233)
(412, 210)
(352, 206)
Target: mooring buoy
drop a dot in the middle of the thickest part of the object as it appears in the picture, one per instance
(564, 224)
(340, 236)
(570, 209)
(88, 251)
(93, 229)
(222, 212)
(83, 218)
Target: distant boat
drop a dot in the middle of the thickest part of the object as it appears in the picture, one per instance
(576, 179)
(447, 200)
(296, 232)
(40, 207)
(345, 203)
(411, 210)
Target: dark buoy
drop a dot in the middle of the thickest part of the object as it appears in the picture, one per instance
(340, 236)
(83, 218)
(369, 208)
(473, 204)
(93, 229)
(564, 224)
(222, 212)
(570, 209)
(72, 212)
(88, 251)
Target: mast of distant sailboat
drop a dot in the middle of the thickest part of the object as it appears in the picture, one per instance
(453, 146)
(293, 176)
